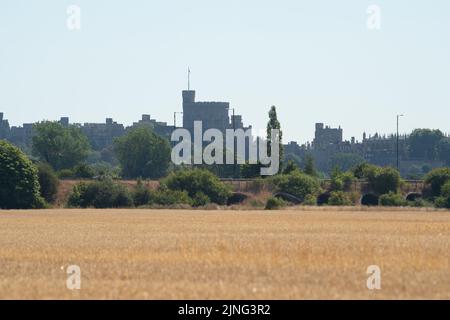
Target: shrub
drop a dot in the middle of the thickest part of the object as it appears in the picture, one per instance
(348, 179)
(100, 194)
(141, 194)
(297, 184)
(65, 174)
(274, 203)
(167, 197)
(445, 190)
(198, 180)
(339, 198)
(310, 200)
(442, 202)
(363, 170)
(436, 179)
(200, 199)
(48, 180)
(337, 184)
(83, 171)
(392, 199)
(19, 182)
(384, 180)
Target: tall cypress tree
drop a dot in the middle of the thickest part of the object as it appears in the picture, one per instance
(274, 124)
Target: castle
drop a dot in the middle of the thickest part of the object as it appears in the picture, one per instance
(101, 135)
(328, 142)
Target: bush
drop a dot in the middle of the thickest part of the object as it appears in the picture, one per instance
(445, 190)
(100, 194)
(19, 182)
(274, 203)
(337, 184)
(83, 171)
(442, 202)
(348, 179)
(48, 180)
(310, 200)
(384, 180)
(363, 170)
(297, 184)
(392, 199)
(198, 180)
(167, 197)
(200, 199)
(65, 174)
(141, 194)
(436, 180)
(339, 198)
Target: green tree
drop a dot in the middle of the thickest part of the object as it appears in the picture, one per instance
(49, 182)
(384, 180)
(297, 184)
(58, 146)
(444, 151)
(423, 143)
(436, 178)
(142, 153)
(291, 166)
(272, 125)
(345, 161)
(19, 184)
(310, 168)
(198, 181)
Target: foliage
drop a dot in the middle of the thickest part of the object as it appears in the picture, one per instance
(198, 180)
(142, 153)
(444, 151)
(442, 202)
(339, 198)
(249, 171)
(83, 171)
(141, 194)
(310, 168)
(345, 161)
(445, 190)
(167, 197)
(392, 199)
(423, 143)
(310, 200)
(384, 180)
(297, 184)
(436, 179)
(19, 183)
(58, 146)
(100, 194)
(274, 203)
(48, 181)
(363, 170)
(291, 166)
(200, 199)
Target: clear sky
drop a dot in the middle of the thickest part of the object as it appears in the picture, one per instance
(315, 60)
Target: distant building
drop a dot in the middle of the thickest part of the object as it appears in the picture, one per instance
(325, 136)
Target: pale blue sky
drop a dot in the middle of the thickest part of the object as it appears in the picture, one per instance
(315, 60)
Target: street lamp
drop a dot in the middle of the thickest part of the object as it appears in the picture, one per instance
(398, 117)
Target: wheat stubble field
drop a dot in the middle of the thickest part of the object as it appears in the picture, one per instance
(181, 254)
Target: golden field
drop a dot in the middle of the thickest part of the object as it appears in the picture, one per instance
(181, 254)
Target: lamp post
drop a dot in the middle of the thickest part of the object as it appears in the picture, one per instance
(398, 117)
